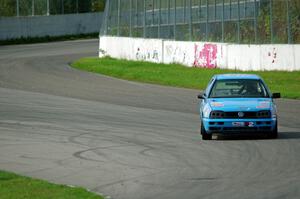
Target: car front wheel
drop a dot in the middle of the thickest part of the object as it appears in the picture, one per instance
(205, 135)
(274, 133)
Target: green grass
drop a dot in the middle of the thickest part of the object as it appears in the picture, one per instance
(13, 186)
(288, 83)
(32, 40)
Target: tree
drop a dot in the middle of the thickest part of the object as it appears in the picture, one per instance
(7, 8)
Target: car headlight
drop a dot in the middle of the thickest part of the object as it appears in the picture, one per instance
(263, 114)
(217, 114)
(206, 111)
(274, 112)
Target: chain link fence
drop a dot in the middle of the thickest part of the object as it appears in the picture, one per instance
(11, 8)
(232, 21)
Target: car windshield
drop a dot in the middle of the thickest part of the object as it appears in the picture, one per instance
(236, 88)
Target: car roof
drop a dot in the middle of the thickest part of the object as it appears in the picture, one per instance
(236, 76)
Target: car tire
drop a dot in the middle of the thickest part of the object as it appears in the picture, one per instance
(205, 135)
(274, 133)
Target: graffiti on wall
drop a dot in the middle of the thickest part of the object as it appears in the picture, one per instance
(206, 57)
(102, 52)
(176, 54)
(146, 55)
(220, 55)
(272, 55)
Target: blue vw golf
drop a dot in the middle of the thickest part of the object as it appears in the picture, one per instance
(237, 103)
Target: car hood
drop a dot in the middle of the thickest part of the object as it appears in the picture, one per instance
(240, 104)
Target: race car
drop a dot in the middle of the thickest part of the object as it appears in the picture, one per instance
(238, 104)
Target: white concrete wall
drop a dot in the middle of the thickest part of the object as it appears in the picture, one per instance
(243, 57)
(53, 25)
(297, 57)
(204, 54)
(132, 49)
(179, 52)
(274, 57)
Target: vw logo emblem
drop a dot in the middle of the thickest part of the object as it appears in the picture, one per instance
(241, 114)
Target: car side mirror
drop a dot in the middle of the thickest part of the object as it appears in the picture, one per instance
(276, 95)
(201, 96)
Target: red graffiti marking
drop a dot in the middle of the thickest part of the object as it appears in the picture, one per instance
(206, 57)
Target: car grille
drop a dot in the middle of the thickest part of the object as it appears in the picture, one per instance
(246, 115)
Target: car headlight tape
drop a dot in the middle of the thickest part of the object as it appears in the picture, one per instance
(217, 114)
(264, 114)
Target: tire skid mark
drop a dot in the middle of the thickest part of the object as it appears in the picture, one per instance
(126, 180)
(79, 154)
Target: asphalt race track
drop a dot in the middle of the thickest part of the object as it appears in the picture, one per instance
(130, 140)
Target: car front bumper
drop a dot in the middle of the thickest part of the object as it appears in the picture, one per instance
(233, 126)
